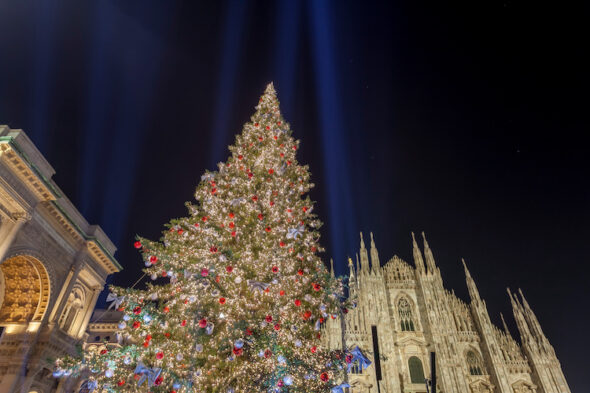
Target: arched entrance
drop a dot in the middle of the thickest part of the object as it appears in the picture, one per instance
(24, 290)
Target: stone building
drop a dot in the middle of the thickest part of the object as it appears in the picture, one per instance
(404, 312)
(53, 265)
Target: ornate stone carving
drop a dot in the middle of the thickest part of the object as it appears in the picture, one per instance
(27, 290)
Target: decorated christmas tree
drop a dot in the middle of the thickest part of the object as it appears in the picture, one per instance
(239, 291)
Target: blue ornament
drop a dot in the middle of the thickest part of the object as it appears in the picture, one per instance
(239, 343)
(281, 359)
(288, 380)
(176, 385)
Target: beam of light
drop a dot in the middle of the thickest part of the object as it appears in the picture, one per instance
(333, 134)
(234, 26)
(285, 53)
(95, 135)
(119, 137)
(44, 25)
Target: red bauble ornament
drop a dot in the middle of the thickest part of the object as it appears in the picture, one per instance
(271, 171)
(183, 323)
(158, 381)
(254, 198)
(213, 190)
(213, 249)
(103, 351)
(148, 337)
(275, 269)
(250, 175)
(121, 383)
(268, 318)
(256, 124)
(153, 259)
(297, 302)
(136, 324)
(137, 245)
(166, 309)
(313, 349)
(260, 216)
(222, 300)
(307, 315)
(231, 224)
(267, 229)
(229, 269)
(237, 351)
(324, 377)
(316, 286)
(248, 332)
(204, 272)
(300, 272)
(282, 293)
(137, 310)
(240, 157)
(180, 231)
(233, 233)
(282, 244)
(159, 355)
(268, 127)
(204, 218)
(164, 273)
(278, 123)
(267, 353)
(203, 323)
(277, 326)
(231, 215)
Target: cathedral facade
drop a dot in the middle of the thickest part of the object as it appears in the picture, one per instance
(53, 266)
(403, 313)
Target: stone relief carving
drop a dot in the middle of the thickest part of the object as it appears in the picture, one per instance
(27, 290)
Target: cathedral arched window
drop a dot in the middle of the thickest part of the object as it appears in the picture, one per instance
(405, 315)
(416, 370)
(474, 363)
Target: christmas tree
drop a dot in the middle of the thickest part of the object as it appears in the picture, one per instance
(239, 290)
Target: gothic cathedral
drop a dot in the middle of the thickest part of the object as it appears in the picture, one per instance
(403, 313)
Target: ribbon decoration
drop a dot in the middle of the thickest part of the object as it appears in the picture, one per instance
(115, 300)
(340, 388)
(292, 233)
(89, 385)
(257, 285)
(357, 354)
(147, 373)
(188, 274)
(237, 201)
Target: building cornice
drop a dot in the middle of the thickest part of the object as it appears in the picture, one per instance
(45, 190)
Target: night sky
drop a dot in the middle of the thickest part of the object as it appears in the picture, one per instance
(462, 119)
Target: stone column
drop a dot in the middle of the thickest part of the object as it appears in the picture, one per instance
(9, 227)
(67, 288)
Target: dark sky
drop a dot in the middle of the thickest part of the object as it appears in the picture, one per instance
(462, 119)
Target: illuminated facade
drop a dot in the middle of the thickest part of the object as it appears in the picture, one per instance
(403, 313)
(53, 265)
